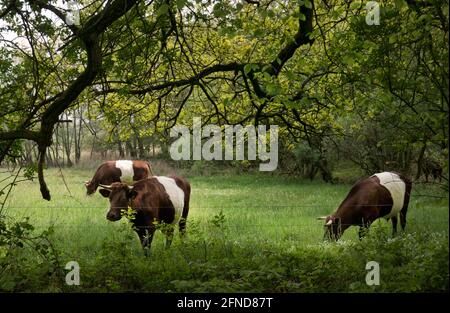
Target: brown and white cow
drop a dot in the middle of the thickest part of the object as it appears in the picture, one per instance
(157, 199)
(125, 171)
(380, 195)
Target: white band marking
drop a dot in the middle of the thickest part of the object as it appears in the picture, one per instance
(176, 195)
(396, 187)
(126, 167)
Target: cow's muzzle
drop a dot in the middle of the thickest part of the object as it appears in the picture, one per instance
(113, 216)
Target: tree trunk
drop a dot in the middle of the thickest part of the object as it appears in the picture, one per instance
(77, 133)
(120, 148)
(142, 152)
(66, 141)
(131, 149)
(420, 160)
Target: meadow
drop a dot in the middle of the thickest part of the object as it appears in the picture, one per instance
(245, 233)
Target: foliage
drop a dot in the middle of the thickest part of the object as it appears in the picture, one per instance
(28, 261)
(373, 94)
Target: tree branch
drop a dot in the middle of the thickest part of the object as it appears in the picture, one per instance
(301, 38)
(89, 37)
(230, 67)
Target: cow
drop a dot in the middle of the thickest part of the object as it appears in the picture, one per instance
(155, 200)
(383, 194)
(118, 171)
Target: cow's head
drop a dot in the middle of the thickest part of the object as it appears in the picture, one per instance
(90, 187)
(333, 229)
(119, 195)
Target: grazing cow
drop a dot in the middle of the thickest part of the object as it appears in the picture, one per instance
(124, 171)
(381, 195)
(157, 199)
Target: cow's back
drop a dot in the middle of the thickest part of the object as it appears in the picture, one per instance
(366, 200)
(107, 173)
(141, 170)
(396, 188)
(161, 197)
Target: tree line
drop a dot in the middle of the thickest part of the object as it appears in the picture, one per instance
(340, 89)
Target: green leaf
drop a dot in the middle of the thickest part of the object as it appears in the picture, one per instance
(163, 9)
(218, 10)
(400, 3)
(355, 5)
(259, 33)
(247, 68)
(347, 59)
(181, 4)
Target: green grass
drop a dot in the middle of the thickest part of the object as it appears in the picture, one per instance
(269, 238)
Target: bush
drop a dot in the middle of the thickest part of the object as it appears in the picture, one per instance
(210, 259)
(205, 263)
(28, 261)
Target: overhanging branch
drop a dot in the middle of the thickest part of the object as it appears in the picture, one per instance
(89, 37)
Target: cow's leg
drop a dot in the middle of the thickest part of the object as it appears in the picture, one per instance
(184, 215)
(146, 236)
(364, 228)
(394, 225)
(403, 217)
(182, 226)
(363, 231)
(405, 206)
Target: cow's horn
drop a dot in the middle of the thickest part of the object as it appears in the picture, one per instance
(329, 223)
(105, 186)
(322, 218)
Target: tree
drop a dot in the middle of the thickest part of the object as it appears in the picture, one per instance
(41, 110)
(313, 67)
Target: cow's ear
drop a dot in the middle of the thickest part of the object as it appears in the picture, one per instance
(104, 192)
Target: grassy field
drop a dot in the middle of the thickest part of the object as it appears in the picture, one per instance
(251, 232)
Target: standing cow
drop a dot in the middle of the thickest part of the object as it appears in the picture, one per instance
(125, 171)
(159, 199)
(381, 195)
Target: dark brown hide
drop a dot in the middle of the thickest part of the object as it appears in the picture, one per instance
(367, 201)
(150, 203)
